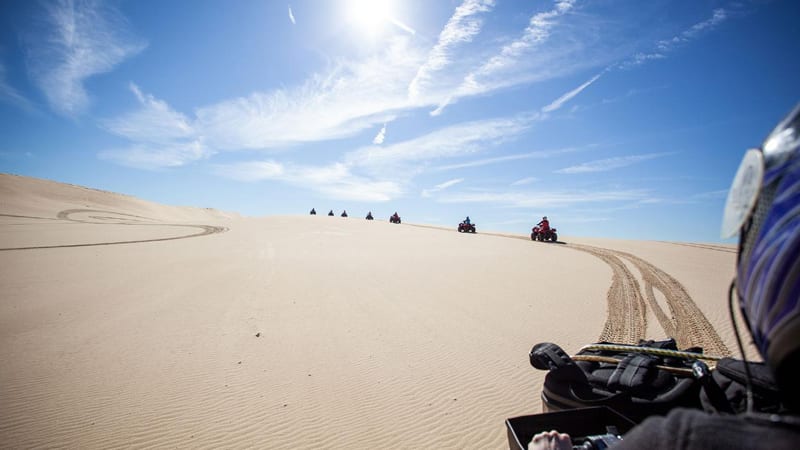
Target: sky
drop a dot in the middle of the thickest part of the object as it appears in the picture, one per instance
(619, 119)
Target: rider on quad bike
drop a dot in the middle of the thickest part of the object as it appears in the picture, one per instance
(369, 216)
(394, 218)
(543, 232)
(466, 226)
(544, 225)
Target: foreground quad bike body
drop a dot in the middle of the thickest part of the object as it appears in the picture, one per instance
(537, 234)
(464, 227)
(394, 219)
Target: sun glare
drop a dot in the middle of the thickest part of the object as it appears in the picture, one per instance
(369, 16)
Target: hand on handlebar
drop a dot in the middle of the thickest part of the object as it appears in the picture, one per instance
(550, 440)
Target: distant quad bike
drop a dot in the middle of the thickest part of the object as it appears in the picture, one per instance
(538, 235)
(394, 219)
(464, 227)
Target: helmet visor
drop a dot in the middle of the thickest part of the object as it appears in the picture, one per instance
(743, 193)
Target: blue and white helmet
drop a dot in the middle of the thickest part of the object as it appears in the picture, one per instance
(764, 207)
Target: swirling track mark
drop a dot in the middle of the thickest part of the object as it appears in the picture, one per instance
(65, 215)
(27, 217)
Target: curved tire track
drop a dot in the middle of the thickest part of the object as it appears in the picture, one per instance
(691, 328)
(65, 215)
(626, 319)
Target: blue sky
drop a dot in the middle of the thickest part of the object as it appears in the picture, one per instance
(621, 119)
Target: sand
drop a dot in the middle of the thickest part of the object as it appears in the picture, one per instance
(124, 323)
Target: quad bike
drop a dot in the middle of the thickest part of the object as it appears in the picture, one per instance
(537, 234)
(394, 219)
(369, 217)
(464, 227)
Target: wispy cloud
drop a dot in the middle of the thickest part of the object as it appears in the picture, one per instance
(441, 186)
(378, 140)
(538, 31)
(507, 158)
(711, 195)
(78, 40)
(524, 181)
(12, 96)
(382, 173)
(162, 136)
(461, 28)
(665, 46)
(559, 102)
(455, 140)
(335, 181)
(662, 48)
(291, 16)
(543, 199)
(493, 74)
(346, 100)
(604, 165)
(402, 26)
(154, 122)
(150, 157)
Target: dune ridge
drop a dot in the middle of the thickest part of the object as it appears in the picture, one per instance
(128, 323)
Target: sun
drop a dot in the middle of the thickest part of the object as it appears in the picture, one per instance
(369, 16)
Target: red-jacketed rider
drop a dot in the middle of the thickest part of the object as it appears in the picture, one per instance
(544, 225)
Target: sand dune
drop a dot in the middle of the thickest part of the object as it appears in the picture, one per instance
(127, 323)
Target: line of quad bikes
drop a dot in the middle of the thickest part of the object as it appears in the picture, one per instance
(537, 233)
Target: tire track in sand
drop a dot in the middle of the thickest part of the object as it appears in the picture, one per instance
(718, 248)
(626, 320)
(126, 219)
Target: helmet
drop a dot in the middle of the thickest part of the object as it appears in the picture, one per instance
(544, 218)
(764, 207)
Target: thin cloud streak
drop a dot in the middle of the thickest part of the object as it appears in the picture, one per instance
(559, 102)
(489, 76)
(155, 157)
(441, 186)
(78, 40)
(524, 181)
(455, 140)
(462, 26)
(12, 96)
(502, 159)
(543, 199)
(604, 165)
(402, 26)
(335, 181)
(663, 48)
(378, 140)
(291, 16)
(666, 46)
